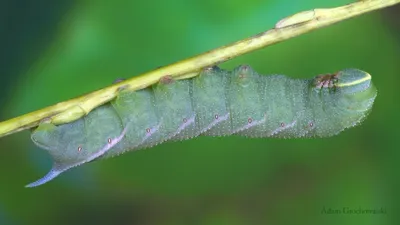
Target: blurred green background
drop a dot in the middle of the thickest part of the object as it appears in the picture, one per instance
(55, 50)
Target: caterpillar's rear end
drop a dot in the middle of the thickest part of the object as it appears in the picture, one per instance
(215, 103)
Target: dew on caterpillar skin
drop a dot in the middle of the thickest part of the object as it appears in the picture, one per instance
(282, 124)
(311, 124)
(184, 120)
(109, 141)
(216, 116)
(148, 130)
(249, 120)
(79, 148)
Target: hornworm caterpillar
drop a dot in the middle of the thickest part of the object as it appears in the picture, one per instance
(215, 103)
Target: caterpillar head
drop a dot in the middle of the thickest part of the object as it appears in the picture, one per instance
(353, 84)
(354, 81)
(356, 89)
(345, 98)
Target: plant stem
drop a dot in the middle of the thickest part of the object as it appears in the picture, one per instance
(292, 26)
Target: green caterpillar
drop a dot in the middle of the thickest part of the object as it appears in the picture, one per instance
(215, 103)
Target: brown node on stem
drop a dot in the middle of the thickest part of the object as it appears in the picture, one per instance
(118, 80)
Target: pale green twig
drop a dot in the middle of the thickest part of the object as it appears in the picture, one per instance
(289, 27)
